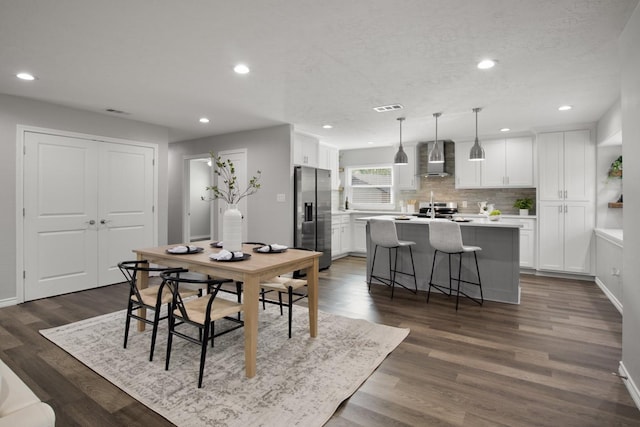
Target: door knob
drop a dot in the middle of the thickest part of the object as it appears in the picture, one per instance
(91, 222)
(104, 221)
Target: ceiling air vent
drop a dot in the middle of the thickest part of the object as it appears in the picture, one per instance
(392, 107)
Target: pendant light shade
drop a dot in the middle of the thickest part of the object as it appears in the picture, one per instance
(436, 154)
(400, 157)
(477, 152)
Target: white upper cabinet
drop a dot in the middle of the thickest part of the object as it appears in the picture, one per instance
(407, 178)
(328, 159)
(567, 166)
(305, 150)
(508, 163)
(467, 173)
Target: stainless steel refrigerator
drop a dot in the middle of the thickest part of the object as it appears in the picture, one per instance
(312, 215)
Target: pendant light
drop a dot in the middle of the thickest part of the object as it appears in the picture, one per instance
(401, 157)
(477, 152)
(436, 155)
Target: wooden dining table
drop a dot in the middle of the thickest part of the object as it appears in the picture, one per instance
(251, 271)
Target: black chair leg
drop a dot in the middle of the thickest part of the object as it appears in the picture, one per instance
(373, 262)
(290, 309)
(280, 300)
(450, 284)
(392, 276)
(127, 322)
(478, 272)
(203, 354)
(459, 277)
(239, 292)
(433, 266)
(172, 323)
(413, 268)
(154, 334)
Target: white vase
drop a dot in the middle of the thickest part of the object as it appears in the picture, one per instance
(524, 212)
(232, 229)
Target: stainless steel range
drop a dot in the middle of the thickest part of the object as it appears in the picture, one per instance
(441, 209)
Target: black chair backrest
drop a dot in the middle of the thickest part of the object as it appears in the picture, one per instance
(130, 271)
(173, 278)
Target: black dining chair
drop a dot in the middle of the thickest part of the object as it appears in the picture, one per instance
(152, 298)
(201, 312)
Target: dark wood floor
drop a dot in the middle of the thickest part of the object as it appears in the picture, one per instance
(546, 362)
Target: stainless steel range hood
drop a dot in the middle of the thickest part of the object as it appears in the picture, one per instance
(432, 169)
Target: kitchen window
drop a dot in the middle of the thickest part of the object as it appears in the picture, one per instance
(370, 187)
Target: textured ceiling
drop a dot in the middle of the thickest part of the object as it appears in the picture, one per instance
(170, 62)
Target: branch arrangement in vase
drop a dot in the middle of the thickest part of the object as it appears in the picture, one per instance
(227, 188)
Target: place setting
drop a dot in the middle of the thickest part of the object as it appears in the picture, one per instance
(227, 256)
(184, 250)
(273, 248)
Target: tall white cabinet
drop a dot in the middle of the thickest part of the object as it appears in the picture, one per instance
(566, 201)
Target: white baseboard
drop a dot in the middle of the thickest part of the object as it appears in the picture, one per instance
(617, 304)
(631, 385)
(7, 302)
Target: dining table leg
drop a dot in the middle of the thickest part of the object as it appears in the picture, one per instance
(142, 282)
(250, 308)
(312, 295)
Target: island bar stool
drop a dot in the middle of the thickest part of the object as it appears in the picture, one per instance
(383, 233)
(445, 236)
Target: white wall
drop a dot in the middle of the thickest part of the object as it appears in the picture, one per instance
(630, 90)
(268, 150)
(16, 111)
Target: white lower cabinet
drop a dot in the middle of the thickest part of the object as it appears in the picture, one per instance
(565, 235)
(340, 235)
(359, 237)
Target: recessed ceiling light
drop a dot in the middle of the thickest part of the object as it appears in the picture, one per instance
(505, 130)
(204, 120)
(241, 69)
(327, 126)
(485, 64)
(370, 142)
(565, 107)
(25, 76)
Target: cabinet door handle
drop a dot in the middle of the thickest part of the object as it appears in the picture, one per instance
(565, 194)
(559, 208)
(559, 194)
(565, 209)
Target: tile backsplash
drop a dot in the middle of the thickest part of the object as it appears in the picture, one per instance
(444, 188)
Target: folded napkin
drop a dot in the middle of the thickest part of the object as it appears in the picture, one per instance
(182, 249)
(272, 247)
(225, 255)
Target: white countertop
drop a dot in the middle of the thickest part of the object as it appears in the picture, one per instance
(613, 234)
(475, 222)
(394, 213)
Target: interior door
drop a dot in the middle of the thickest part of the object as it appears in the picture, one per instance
(87, 205)
(61, 202)
(125, 206)
(239, 159)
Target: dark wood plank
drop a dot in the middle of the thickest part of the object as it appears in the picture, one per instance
(547, 361)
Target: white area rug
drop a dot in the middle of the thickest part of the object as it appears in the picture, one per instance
(300, 381)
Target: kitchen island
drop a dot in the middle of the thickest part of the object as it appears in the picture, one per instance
(499, 260)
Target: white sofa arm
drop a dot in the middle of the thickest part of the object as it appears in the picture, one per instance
(36, 415)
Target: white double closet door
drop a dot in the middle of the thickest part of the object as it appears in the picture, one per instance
(87, 205)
